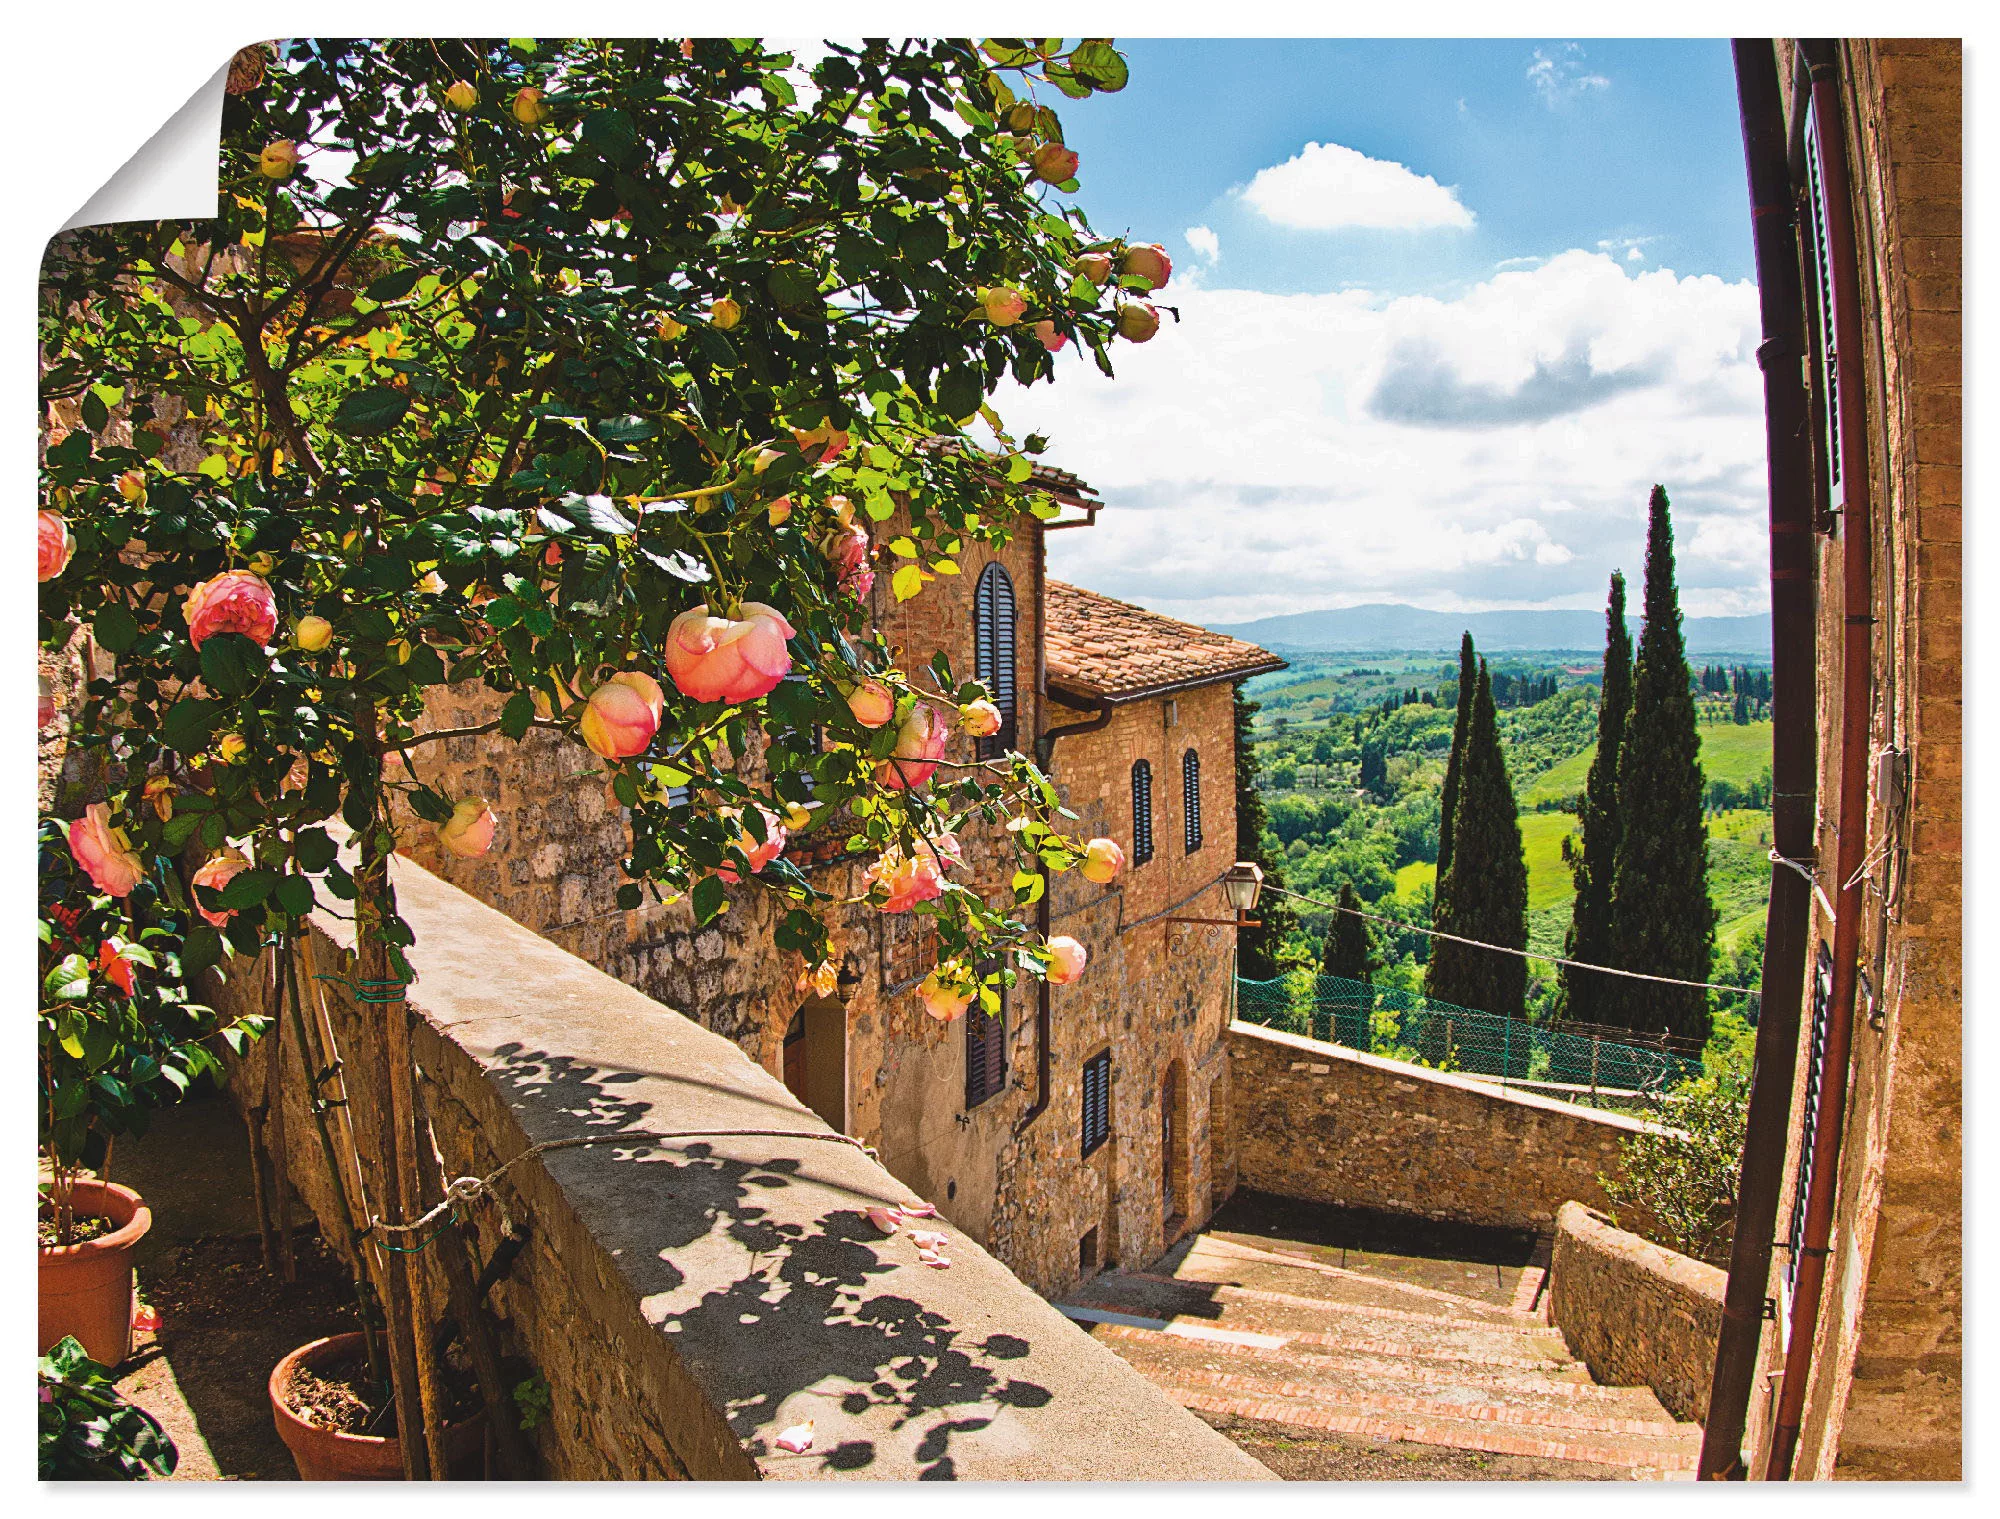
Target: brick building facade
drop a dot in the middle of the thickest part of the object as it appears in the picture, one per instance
(1883, 1399)
(995, 1136)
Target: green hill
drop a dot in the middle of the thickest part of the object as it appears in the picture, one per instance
(1728, 753)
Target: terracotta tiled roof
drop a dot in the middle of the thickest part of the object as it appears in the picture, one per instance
(1107, 649)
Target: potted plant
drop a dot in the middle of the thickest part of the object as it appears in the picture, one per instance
(118, 1038)
(88, 1431)
(585, 382)
(332, 1416)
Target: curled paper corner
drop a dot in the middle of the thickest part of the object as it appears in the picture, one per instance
(173, 176)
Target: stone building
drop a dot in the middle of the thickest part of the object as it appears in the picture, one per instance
(1874, 131)
(1065, 1134)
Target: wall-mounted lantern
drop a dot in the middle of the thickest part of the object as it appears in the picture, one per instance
(1241, 884)
(848, 982)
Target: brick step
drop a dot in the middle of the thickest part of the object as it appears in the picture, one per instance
(1231, 1292)
(1643, 1456)
(1211, 1259)
(1393, 1373)
(1248, 1374)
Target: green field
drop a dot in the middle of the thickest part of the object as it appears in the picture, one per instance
(1549, 882)
(1728, 753)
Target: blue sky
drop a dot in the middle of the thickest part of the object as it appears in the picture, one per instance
(1448, 308)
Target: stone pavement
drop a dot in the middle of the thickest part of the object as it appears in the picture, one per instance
(1239, 1328)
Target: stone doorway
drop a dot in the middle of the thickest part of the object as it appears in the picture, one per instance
(815, 1059)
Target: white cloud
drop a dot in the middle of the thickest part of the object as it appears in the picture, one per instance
(1560, 76)
(1327, 186)
(1274, 453)
(1206, 244)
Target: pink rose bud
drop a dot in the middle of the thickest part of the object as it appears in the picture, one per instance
(1102, 860)
(468, 832)
(724, 314)
(132, 486)
(779, 512)
(236, 601)
(1095, 267)
(760, 854)
(529, 109)
(872, 703)
(1150, 262)
(1066, 960)
(1053, 163)
(54, 545)
(947, 992)
(1051, 338)
(1137, 322)
(798, 1439)
(279, 160)
(888, 1220)
(622, 715)
(980, 718)
(312, 634)
(920, 744)
(848, 553)
(461, 95)
(1003, 306)
(104, 852)
(720, 659)
(215, 875)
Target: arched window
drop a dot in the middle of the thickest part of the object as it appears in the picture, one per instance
(993, 652)
(1142, 812)
(1191, 798)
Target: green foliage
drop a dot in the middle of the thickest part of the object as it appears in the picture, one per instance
(1349, 950)
(87, 1431)
(1455, 766)
(531, 1399)
(1678, 1186)
(1482, 892)
(1257, 948)
(1589, 939)
(501, 400)
(1662, 921)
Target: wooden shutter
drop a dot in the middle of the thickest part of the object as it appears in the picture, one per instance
(1809, 1114)
(985, 1051)
(1096, 1101)
(994, 652)
(1142, 812)
(1191, 798)
(1833, 300)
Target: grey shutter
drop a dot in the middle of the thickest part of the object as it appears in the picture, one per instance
(1191, 799)
(1142, 812)
(994, 651)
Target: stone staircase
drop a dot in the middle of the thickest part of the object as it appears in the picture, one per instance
(1228, 1328)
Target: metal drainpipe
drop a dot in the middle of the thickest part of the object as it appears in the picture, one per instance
(1794, 680)
(1850, 839)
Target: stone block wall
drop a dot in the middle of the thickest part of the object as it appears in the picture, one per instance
(688, 1300)
(1885, 1399)
(1635, 1313)
(1329, 1124)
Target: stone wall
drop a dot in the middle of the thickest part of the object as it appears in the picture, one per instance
(1329, 1124)
(1886, 1391)
(1634, 1312)
(687, 1301)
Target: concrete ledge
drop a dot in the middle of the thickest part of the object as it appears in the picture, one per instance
(1330, 1124)
(687, 1303)
(1635, 1312)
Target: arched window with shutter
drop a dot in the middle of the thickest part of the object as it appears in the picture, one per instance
(1142, 812)
(993, 653)
(1191, 798)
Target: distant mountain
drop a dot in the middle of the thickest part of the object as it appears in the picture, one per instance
(1383, 627)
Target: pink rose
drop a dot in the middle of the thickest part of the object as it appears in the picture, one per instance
(622, 715)
(872, 703)
(1003, 305)
(1066, 960)
(468, 832)
(1137, 322)
(215, 875)
(1051, 338)
(1053, 163)
(1102, 860)
(1095, 267)
(980, 718)
(822, 444)
(54, 545)
(1150, 262)
(236, 601)
(116, 968)
(920, 744)
(104, 852)
(947, 992)
(909, 879)
(760, 854)
(716, 659)
(847, 551)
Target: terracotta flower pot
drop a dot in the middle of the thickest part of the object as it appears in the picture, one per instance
(329, 1455)
(85, 1289)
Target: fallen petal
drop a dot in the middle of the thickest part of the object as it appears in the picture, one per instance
(917, 1210)
(885, 1219)
(928, 1239)
(798, 1439)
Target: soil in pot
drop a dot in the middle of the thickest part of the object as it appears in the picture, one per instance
(353, 1428)
(47, 1234)
(84, 1288)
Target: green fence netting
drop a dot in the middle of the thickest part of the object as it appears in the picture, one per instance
(1406, 1026)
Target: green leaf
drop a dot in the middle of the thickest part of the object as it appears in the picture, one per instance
(393, 287)
(518, 715)
(959, 394)
(96, 416)
(602, 515)
(231, 663)
(611, 132)
(316, 849)
(190, 723)
(792, 285)
(114, 627)
(431, 806)
(708, 899)
(295, 895)
(906, 582)
(1099, 65)
(201, 949)
(68, 981)
(248, 888)
(620, 430)
(371, 412)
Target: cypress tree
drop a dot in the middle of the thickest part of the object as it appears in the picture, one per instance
(1589, 937)
(1349, 949)
(1484, 895)
(1662, 922)
(1257, 948)
(1448, 803)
